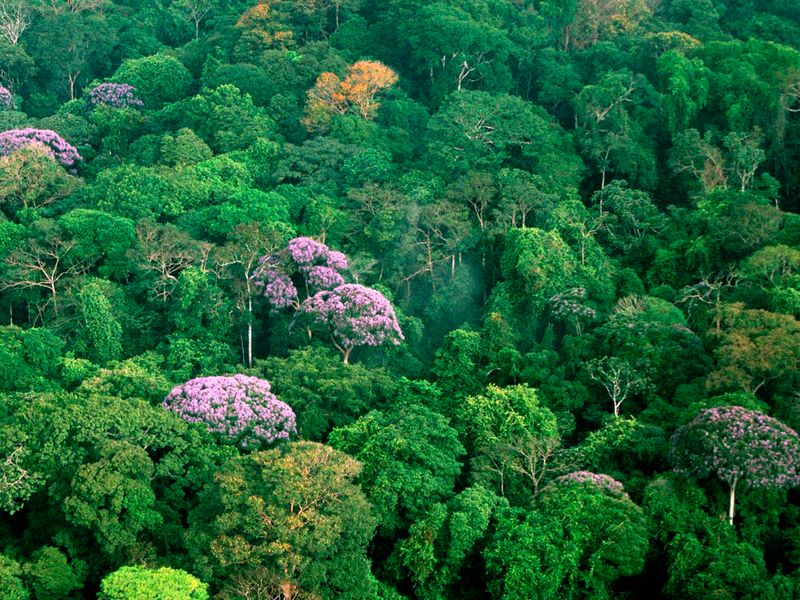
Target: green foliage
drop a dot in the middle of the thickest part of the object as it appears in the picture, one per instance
(537, 264)
(291, 518)
(511, 438)
(51, 575)
(576, 543)
(133, 583)
(158, 79)
(568, 203)
(101, 332)
(323, 392)
(410, 457)
(28, 358)
(11, 584)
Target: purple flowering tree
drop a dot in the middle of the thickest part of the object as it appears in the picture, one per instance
(6, 99)
(304, 267)
(61, 150)
(241, 409)
(569, 307)
(739, 446)
(355, 316)
(306, 277)
(115, 95)
(605, 483)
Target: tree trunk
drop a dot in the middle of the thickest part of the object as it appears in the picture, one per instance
(346, 355)
(249, 332)
(732, 502)
(287, 589)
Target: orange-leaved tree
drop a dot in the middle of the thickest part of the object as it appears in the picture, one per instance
(356, 93)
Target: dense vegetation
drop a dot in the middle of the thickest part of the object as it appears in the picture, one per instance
(360, 299)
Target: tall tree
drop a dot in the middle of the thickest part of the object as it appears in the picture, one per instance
(739, 446)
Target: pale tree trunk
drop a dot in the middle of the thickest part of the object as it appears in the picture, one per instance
(249, 331)
(732, 501)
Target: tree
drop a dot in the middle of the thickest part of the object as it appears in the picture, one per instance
(455, 50)
(240, 409)
(686, 85)
(227, 119)
(71, 44)
(618, 378)
(584, 534)
(102, 333)
(111, 496)
(537, 264)
(314, 266)
(7, 101)
(74, 6)
(115, 95)
(28, 359)
(135, 583)
(475, 131)
(240, 258)
(158, 79)
(195, 11)
(441, 547)
(755, 347)
(30, 178)
(354, 316)
(738, 446)
(15, 17)
(774, 271)
(55, 146)
(356, 93)
(162, 253)
(325, 392)
(293, 514)
(410, 457)
(583, 23)
(511, 436)
(43, 262)
(263, 28)
(11, 584)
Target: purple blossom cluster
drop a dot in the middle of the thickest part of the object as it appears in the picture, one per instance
(241, 409)
(604, 483)
(116, 95)
(305, 251)
(355, 315)
(6, 99)
(277, 288)
(323, 278)
(56, 146)
(738, 445)
(569, 305)
(314, 266)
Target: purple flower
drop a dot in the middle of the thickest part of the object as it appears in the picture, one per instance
(6, 99)
(604, 483)
(278, 289)
(305, 252)
(323, 278)
(336, 260)
(116, 95)
(355, 316)
(312, 264)
(56, 146)
(240, 408)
